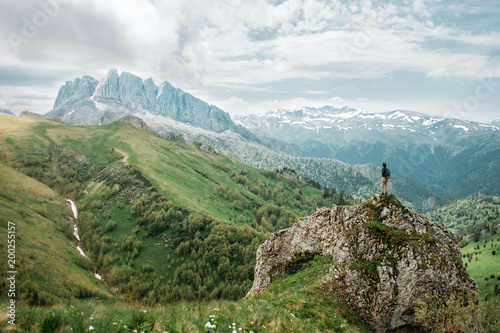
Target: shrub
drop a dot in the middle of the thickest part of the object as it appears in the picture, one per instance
(52, 322)
(448, 314)
(83, 262)
(298, 260)
(111, 225)
(97, 204)
(490, 316)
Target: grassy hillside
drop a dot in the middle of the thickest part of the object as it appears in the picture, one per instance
(469, 216)
(49, 268)
(161, 220)
(294, 303)
(482, 260)
(298, 302)
(475, 224)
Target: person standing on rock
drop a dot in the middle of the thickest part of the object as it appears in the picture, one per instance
(386, 174)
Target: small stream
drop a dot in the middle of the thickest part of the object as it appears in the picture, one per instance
(77, 236)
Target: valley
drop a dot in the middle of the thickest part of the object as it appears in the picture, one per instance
(339, 148)
(171, 214)
(436, 151)
(177, 223)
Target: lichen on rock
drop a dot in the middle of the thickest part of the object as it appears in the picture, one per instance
(388, 261)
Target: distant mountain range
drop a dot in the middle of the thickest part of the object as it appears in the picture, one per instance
(433, 159)
(457, 155)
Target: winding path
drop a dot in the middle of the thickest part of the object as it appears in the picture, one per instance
(124, 154)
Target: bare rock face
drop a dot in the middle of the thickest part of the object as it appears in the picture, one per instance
(137, 123)
(86, 101)
(388, 261)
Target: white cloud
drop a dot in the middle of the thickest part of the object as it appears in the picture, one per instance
(36, 99)
(337, 100)
(243, 45)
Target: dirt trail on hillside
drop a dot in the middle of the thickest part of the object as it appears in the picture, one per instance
(124, 154)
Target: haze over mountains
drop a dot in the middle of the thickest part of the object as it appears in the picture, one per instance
(434, 156)
(461, 156)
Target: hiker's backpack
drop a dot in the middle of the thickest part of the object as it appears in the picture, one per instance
(387, 173)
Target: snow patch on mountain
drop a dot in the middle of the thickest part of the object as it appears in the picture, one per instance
(330, 118)
(86, 101)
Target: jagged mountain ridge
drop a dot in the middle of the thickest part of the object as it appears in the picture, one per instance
(169, 111)
(346, 118)
(433, 150)
(87, 101)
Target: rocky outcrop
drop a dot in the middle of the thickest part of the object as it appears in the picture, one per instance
(137, 123)
(430, 203)
(479, 194)
(388, 261)
(181, 106)
(107, 89)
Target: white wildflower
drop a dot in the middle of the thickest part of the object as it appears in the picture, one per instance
(210, 325)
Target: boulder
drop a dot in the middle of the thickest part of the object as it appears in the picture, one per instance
(389, 263)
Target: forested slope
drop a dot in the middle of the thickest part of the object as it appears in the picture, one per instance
(173, 222)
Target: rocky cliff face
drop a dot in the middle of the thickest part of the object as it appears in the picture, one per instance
(86, 101)
(389, 262)
(73, 91)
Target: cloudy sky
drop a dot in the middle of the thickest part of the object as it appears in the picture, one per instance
(433, 56)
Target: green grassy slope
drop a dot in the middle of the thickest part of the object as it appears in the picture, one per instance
(471, 220)
(483, 264)
(46, 262)
(294, 303)
(174, 221)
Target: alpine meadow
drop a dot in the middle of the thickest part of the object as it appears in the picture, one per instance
(270, 166)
